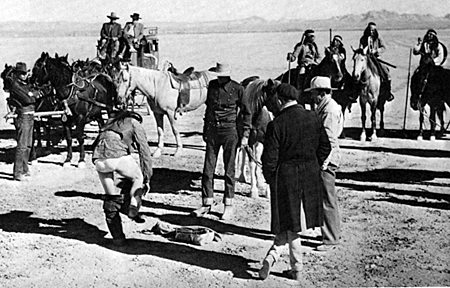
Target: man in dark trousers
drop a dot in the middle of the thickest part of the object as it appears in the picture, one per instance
(109, 35)
(295, 147)
(224, 100)
(24, 99)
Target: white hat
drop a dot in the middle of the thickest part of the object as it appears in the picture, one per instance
(223, 69)
(112, 16)
(320, 82)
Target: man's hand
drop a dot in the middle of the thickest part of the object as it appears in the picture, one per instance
(244, 142)
(419, 41)
(290, 57)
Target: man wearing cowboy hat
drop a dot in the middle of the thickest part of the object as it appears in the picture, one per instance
(133, 32)
(109, 35)
(224, 98)
(330, 113)
(24, 99)
(307, 56)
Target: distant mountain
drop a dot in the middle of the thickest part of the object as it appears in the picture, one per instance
(383, 18)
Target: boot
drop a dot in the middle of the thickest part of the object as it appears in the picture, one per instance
(202, 211)
(390, 95)
(265, 269)
(227, 212)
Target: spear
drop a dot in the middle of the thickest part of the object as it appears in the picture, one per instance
(407, 89)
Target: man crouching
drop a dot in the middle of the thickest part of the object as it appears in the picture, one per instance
(112, 154)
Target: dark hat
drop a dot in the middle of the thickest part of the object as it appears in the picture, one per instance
(287, 92)
(135, 16)
(113, 16)
(338, 37)
(372, 23)
(21, 68)
(309, 31)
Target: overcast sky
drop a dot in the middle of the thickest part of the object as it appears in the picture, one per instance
(206, 10)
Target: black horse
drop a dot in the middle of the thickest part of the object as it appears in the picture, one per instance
(45, 103)
(333, 67)
(430, 85)
(82, 99)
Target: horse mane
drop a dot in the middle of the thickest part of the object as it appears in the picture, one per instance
(256, 95)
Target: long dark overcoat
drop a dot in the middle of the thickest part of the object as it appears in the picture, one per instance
(296, 145)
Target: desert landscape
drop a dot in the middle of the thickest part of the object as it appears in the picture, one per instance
(393, 194)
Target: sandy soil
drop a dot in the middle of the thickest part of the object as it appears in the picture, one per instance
(393, 194)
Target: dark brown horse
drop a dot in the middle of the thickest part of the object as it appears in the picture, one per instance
(430, 85)
(82, 100)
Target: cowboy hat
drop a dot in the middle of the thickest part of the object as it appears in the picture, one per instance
(223, 70)
(21, 68)
(113, 16)
(135, 16)
(320, 82)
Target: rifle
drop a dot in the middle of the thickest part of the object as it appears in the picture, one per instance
(386, 63)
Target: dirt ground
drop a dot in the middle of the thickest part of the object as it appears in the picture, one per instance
(393, 194)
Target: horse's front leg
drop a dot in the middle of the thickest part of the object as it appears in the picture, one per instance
(432, 123)
(80, 138)
(160, 128)
(252, 166)
(260, 181)
(240, 161)
(176, 133)
(381, 132)
(68, 134)
(362, 138)
(373, 119)
(420, 136)
(441, 119)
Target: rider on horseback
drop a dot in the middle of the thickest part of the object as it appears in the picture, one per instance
(109, 36)
(430, 49)
(376, 46)
(307, 56)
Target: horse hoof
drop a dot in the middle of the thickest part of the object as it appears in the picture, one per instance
(432, 138)
(178, 153)
(254, 193)
(362, 138)
(242, 179)
(373, 138)
(34, 162)
(82, 165)
(66, 164)
(157, 153)
(419, 138)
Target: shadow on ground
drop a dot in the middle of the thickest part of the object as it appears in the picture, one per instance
(78, 229)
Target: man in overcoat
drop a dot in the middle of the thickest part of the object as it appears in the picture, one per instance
(296, 145)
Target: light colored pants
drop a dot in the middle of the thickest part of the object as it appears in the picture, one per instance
(295, 249)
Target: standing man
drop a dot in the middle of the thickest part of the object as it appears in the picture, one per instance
(295, 147)
(109, 36)
(133, 33)
(375, 46)
(331, 115)
(307, 56)
(224, 99)
(24, 99)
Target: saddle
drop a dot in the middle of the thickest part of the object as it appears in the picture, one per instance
(184, 83)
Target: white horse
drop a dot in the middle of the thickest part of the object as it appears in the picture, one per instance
(160, 88)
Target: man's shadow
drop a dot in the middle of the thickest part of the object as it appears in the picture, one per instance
(76, 228)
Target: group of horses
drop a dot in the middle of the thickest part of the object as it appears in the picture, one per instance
(86, 88)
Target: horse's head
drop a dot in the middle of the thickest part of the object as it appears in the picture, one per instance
(331, 65)
(8, 76)
(39, 73)
(124, 85)
(113, 70)
(360, 60)
(272, 102)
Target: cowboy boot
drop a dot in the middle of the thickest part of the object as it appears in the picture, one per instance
(265, 269)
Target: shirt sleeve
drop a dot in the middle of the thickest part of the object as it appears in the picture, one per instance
(22, 94)
(324, 148)
(145, 157)
(103, 33)
(332, 122)
(297, 50)
(381, 45)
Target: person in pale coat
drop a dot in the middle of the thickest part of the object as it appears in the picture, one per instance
(330, 113)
